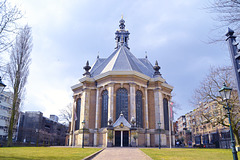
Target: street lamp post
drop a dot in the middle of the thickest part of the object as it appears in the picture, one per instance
(83, 124)
(37, 132)
(133, 128)
(2, 85)
(225, 93)
(159, 124)
(110, 127)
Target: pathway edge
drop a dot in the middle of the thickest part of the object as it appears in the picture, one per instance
(145, 154)
(93, 155)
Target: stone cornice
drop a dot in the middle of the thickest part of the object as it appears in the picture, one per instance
(109, 73)
(86, 79)
(157, 79)
(76, 86)
(123, 73)
(167, 86)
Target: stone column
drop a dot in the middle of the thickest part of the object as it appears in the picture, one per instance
(132, 100)
(110, 100)
(97, 118)
(146, 119)
(85, 102)
(85, 108)
(158, 99)
(121, 138)
(71, 137)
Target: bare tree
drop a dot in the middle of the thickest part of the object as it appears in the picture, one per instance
(66, 113)
(227, 14)
(208, 93)
(18, 71)
(175, 106)
(8, 24)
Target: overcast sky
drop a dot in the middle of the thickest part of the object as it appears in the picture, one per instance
(67, 33)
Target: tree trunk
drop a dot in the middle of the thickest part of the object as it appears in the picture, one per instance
(236, 136)
(12, 120)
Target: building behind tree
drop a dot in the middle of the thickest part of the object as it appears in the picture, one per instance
(36, 129)
(194, 129)
(5, 114)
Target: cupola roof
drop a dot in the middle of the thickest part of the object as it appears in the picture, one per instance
(122, 59)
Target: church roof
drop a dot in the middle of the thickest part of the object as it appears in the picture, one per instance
(122, 60)
(120, 120)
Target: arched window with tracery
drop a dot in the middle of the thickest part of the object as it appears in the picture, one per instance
(139, 108)
(122, 102)
(77, 114)
(104, 120)
(166, 114)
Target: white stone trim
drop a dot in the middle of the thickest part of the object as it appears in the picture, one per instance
(122, 73)
(167, 86)
(76, 86)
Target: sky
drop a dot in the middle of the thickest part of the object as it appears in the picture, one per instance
(68, 33)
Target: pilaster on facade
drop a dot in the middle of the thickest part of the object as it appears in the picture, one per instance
(110, 100)
(158, 99)
(132, 100)
(71, 142)
(146, 109)
(85, 102)
(97, 109)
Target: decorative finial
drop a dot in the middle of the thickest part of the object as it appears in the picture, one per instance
(122, 25)
(122, 16)
(97, 56)
(133, 120)
(110, 121)
(230, 32)
(122, 35)
(156, 68)
(146, 54)
(87, 68)
(121, 114)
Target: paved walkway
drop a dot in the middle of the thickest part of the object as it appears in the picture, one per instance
(118, 153)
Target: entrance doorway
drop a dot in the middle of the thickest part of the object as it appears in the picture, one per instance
(119, 141)
(125, 138)
(118, 138)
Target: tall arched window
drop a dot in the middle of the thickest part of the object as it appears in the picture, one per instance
(77, 114)
(166, 115)
(139, 113)
(104, 120)
(122, 102)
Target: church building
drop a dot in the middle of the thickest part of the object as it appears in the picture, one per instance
(121, 101)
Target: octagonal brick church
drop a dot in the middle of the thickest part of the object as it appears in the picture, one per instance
(121, 99)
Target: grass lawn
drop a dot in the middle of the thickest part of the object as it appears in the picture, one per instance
(189, 154)
(55, 153)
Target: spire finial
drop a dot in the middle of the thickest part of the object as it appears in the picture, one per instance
(122, 16)
(122, 35)
(122, 25)
(230, 32)
(156, 68)
(87, 68)
(146, 54)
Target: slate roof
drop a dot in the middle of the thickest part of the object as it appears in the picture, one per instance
(122, 60)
